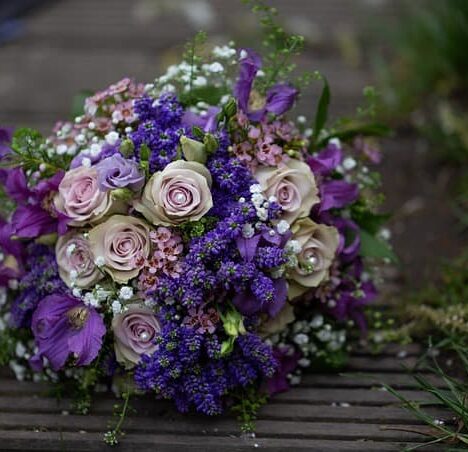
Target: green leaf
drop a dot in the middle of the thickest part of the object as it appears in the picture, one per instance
(78, 101)
(369, 221)
(371, 246)
(198, 133)
(373, 129)
(321, 114)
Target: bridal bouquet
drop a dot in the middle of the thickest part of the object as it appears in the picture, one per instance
(186, 238)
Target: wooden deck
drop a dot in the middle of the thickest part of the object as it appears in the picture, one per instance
(70, 45)
(346, 412)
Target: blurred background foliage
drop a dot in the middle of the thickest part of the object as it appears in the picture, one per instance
(423, 81)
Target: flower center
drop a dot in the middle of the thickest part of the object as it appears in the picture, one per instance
(256, 100)
(77, 317)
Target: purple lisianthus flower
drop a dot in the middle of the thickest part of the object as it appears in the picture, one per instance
(264, 295)
(351, 301)
(350, 241)
(287, 359)
(35, 214)
(7, 245)
(16, 186)
(64, 326)
(247, 247)
(6, 134)
(335, 194)
(279, 98)
(326, 160)
(118, 172)
(206, 122)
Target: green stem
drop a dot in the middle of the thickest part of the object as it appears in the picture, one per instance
(123, 412)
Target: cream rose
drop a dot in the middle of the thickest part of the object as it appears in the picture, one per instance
(293, 185)
(121, 242)
(75, 261)
(80, 198)
(318, 244)
(135, 330)
(181, 192)
(278, 323)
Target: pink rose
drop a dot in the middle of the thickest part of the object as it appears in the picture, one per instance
(80, 198)
(181, 192)
(76, 261)
(318, 243)
(135, 330)
(122, 243)
(293, 185)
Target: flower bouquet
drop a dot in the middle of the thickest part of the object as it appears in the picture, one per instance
(185, 239)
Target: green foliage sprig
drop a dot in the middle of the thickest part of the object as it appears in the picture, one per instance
(247, 405)
(452, 396)
(192, 56)
(30, 151)
(280, 46)
(7, 347)
(120, 412)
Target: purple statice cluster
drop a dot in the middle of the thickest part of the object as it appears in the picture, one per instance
(160, 130)
(223, 259)
(40, 278)
(232, 259)
(189, 369)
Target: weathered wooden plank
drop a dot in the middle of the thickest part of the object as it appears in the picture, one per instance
(349, 395)
(360, 396)
(145, 407)
(346, 413)
(9, 386)
(381, 364)
(366, 380)
(192, 425)
(393, 350)
(59, 441)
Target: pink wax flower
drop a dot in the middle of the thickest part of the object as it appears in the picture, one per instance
(203, 321)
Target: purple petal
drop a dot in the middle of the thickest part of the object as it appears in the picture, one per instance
(350, 241)
(326, 161)
(56, 338)
(249, 65)
(32, 222)
(50, 326)
(44, 187)
(118, 172)
(246, 303)
(248, 247)
(16, 185)
(280, 98)
(9, 246)
(281, 293)
(336, 194)
(287, 363)
(87, 342)
(207, 122)
(7, 274)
